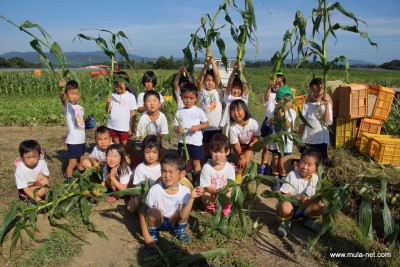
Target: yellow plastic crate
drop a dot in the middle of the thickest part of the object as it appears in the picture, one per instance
(368, 126)
(345, 132)
(365, 143)
(168, 98)
(387, 150)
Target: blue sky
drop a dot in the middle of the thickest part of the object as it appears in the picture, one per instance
(163, 27)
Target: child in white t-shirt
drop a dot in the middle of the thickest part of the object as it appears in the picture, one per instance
(149, 81)
(168, 203)
(236, 89)
(149, 169)
(152, 122)
(74, 115)
(189, 123)
(31, 172)
(318, 113)
(180, 80)
(302, 185)
(116, 173)
(215, 175)
(284, 110)
(243, 134)
(210, 93)
(98, 156)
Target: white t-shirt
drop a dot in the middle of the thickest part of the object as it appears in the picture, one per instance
(74, 116)
(168, 204)
(290, 115)
(98, 154)
(210, 103)
(298, 186)
(121, 107)
(179, 99)
(143, 172)
(210, 177)
(244, 135)
(270, 105)
(140, 99)
(319, 134)
(228, 100)
(189, 117)
(123, 179)
(25, 176)
(147, 127)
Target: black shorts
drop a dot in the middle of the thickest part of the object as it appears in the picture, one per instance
(266, 129)
(195, 152)
(76, 151)
(208, 134)
(276, 152)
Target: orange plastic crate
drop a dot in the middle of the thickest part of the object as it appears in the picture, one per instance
(387, 150)
(352, 101)
(300, 101)
(366, 140)
(345, 132)
(383, 104)
(368, 126)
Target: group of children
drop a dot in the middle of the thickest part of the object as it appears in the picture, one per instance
(205, 134)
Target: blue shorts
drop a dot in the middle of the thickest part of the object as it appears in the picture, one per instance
(165, 225)
(208, 134)
(76, 151)
(266, 129)
(195, 152)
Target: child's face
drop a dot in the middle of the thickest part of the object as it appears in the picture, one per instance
(316, 93)
(236, 91)
(189, 99)
(120, 87)
(238, 114)
(278, 82)
(113, 158)
(148, 85)
(209, 82)
(31, 159)
(288, 104)
(151, 155)
(307, 166)
(171, 175)
(152, 104)
(103, 140)
(73, 96)
(219, 156)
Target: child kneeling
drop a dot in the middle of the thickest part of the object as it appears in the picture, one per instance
(168, 203)
(301, 184)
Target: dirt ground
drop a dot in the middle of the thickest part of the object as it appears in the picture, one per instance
(124, 246)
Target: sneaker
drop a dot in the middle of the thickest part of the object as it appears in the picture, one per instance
(68, 180)
(263, 169)
(277, 186)
(284, 228)
(310, 224)
(180, 234)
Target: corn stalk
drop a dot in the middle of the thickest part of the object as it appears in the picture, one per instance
(37, 43)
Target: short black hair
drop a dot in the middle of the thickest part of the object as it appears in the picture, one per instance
(120, 76)
(319, 82)
(218, 142)
(239, 103)
(312, 152)
(189, 87)
(174, 159)
(71, 85)
(151, 141)
(283, 77)
(102, 130)
(149, 93)
(149, 76)
(237, 82)
(29, 146)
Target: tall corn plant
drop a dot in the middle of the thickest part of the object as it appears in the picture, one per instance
(322, 28)
(37, 44)
(110, 50)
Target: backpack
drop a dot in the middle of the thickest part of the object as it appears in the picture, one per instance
(90, 122)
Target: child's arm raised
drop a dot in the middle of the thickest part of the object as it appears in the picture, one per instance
(217, 77)
(230, 83)
(245, 88)
(200, 79)
(63, 95)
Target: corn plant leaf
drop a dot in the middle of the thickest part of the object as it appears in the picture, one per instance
(281, 197)
(342, 10)
(206, 255)
(264, 141)
(365, 217)
(27, 24)
(16, 234)
(8, 220)
(302, 118)
(128, 192)
(58, 53)
(354, 29)
(33, 218)
(85, 208)
(43, 57)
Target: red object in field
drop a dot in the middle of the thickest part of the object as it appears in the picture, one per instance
(98, 73)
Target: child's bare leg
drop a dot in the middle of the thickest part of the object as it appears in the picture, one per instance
(154, 217)
(314, 209)
(264, 161)
(285, 209)
(274, 164)
(116, 140)
(71, 166)
(207, 199)
(41, 181)
(86, 164)
(81, 159)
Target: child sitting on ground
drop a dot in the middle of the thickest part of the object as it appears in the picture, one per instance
(168, 203)
(215, 175)
(149, 81)
(98, 156)
(152, 122)
(149, 169)
(301, 184)
(31, 172)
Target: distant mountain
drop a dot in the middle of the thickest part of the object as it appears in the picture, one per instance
(76, 59)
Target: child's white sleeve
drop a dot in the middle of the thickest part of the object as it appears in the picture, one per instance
(164, 125)
(329, 106)
(231, 172)
(141, 129)
(205, 180)
(304, 112)
(233, 136)
(175, 120)
(186, 195)
(138, 176)
(257, 131)
(45, 169)
(287, 187)
(203, 116)
(133, 104)
(140, 100)
(125, 179)
(19, 179)
(161, 98)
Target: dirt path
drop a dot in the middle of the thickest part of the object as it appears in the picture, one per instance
(124, 246)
